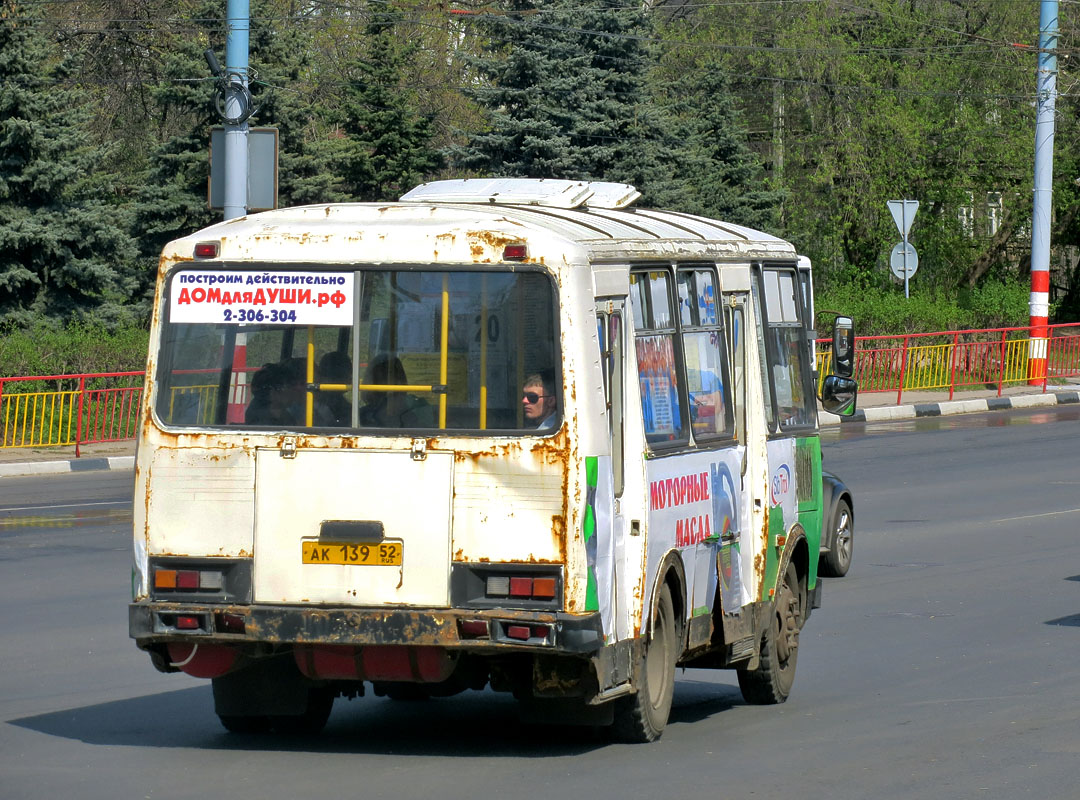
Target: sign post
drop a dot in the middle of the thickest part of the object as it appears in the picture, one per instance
(904, 260)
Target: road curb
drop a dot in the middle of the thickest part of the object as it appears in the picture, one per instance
(25, 468)
(951, 407)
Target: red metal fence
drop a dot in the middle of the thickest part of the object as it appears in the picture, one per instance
(53, 410)
(990, 358)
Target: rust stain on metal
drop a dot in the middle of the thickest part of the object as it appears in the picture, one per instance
(759, 559)
(147, 496)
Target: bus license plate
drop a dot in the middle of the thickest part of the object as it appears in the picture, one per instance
(381, 554)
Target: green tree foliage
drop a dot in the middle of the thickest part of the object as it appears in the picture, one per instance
(284, 75)
(564, 88)
(387, 146)
(107, 105)
(723, 176)
(62, 251)
(859, 105)
(170, 193)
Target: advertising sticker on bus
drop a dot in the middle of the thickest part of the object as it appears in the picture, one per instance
(283, 298)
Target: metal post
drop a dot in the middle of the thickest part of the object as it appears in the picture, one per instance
(952, 364)
(1001, 364)
(903, 214)
(1046, 86)
(78, 419)
(236, 109)
(903, 371)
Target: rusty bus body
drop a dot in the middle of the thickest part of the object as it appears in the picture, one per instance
(339, 482)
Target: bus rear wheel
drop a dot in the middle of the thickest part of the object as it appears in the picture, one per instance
(771, 681)
(312, 721)
(642, 716)
(245, 725)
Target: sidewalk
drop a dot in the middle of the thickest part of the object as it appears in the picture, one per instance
(881, 406)
(872, 407)
(16, 461)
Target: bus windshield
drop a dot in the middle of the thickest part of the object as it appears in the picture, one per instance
(372, 351)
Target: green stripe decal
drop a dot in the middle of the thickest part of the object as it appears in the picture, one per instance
(592, 602)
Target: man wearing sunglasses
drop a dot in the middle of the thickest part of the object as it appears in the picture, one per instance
(538, 399)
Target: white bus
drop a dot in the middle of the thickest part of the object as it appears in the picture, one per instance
(506, 433)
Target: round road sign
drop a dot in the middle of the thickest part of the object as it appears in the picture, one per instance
(903, 258)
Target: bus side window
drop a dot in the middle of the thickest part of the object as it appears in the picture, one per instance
(735, 317)
(782, 330)
(610, 330)
(654, 344)
(703, 344)
(763, 358)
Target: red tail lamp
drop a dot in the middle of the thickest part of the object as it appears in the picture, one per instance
(515, 252)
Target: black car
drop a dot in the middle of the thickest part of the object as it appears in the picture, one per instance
(837, 527)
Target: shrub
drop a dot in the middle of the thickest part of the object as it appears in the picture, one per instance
(48, 349)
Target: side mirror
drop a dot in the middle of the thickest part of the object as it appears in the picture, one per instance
(838, 395)
(843, 347)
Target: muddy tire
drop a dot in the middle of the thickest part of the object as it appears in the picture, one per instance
(772, 680)
(642, 716)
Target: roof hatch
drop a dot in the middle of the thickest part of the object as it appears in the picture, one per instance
(550, 192)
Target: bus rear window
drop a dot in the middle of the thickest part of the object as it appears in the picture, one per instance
(360, 350)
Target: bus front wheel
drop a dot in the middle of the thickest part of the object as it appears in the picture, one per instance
(642, 716)
(771, 681)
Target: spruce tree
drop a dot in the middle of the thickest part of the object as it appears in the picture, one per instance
(62, 251)
(284, 85)
(388, 147)
(564, 87)
(170, 200)
(723, 176)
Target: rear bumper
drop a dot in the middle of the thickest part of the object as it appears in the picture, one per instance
(152, 622)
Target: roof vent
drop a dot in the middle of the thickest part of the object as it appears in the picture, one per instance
(611, 195)
(549, 192)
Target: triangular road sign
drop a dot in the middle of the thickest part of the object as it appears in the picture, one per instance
(903, 212)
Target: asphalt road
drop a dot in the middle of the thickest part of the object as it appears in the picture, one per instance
(946, 665)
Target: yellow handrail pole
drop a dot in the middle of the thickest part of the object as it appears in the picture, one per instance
(519, 344)
(483, 351)
(444, 344)
(309, 401)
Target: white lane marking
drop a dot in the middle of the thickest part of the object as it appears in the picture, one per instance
(1034, 516)
(68, 505)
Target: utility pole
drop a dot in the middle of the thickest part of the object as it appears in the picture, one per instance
(237, 108)
(234, 106)
(1046, 86)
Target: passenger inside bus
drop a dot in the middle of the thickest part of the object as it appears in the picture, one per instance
(332, 408)
(539, 401)
(389, 409)
(277, 391)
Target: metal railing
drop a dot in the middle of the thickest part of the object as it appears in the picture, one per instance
(990, 358)
(56, 410)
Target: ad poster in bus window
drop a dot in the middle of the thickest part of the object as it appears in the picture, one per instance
(659, 387)
(234, 297)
